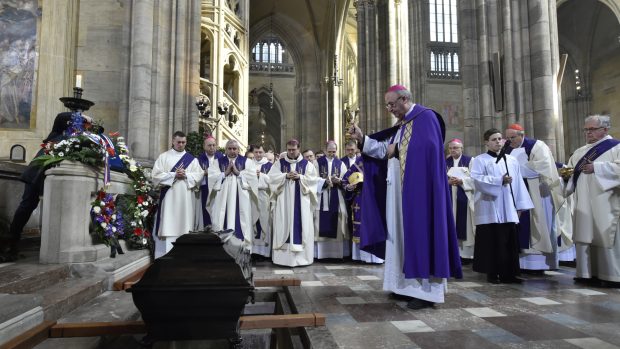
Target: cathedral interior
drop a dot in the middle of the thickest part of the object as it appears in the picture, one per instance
(266, 71)
(270, 71)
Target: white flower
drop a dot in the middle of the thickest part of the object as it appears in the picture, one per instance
(133, 224)
(114, 229)
(97, 209)
(144, 241)
(104, 225)
(102, 203)
(145, 213)
(113, 217)
(61, 154)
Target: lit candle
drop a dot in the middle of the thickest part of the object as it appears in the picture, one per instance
(78, 81)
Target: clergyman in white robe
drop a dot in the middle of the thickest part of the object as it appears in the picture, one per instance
(262, 227)
(177, 210)
(287, 249)
(232, 196)
(339, 245)
(540, 171)
(596, 215)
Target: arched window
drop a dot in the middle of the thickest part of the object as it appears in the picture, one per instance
(444, 43)
(270, 51)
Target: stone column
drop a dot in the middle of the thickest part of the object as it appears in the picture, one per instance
(57, 54)
(140, 79)
(544, 87)
(469, 74)
(418, 25)
(369, 66)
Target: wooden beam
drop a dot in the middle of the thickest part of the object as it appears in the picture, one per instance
(30, 338)
(96, 329)
(129, 280)
(276, 282)
(250, 322)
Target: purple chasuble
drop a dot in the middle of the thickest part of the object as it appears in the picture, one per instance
(285, 167)
(240, 165)
(183, 162)
(461, 199)
(328, 220)
(430, 242)
(354, 200)
(203, 160)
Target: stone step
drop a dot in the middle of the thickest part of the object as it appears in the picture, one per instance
(19, 313)
(67, 295)
(28, 276)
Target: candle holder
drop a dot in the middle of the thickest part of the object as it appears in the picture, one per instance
(76, 103)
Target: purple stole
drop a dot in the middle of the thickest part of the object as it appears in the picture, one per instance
(263, 169)
(240, 164)
(461, 199)
(285, 167)
(592, 155)
(203, 160)
(347, 161)
(183, 162)
(430, 242)
(328, 220)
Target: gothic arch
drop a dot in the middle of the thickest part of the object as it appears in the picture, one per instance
(301, 45)
(613, 5)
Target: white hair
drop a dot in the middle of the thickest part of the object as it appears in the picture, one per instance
(603, 120)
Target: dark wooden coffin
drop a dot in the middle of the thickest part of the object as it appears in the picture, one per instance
(196, 291)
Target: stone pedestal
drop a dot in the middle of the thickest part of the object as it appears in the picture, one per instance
(69, 190)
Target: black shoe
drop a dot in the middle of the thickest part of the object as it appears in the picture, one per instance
(466, 261)
(492, 280)
(610, 284)
(417, 304)
(511, 280)
(400, 297)
(533, 272)
(587, 281)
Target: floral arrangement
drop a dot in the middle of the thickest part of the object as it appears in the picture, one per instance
(113, 217)
(108, 222)
(138, 208)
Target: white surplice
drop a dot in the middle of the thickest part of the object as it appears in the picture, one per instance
(338, 247)
(596, 215)
(546, 194)
(262, 246)
(178, 207)
(394, 280)
(226, 192)
(466, 247)
(495, 202)
(282, 205)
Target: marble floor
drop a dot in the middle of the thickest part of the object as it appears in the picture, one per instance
(546, 311)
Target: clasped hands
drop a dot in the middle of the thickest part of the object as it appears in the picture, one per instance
(293, 175)
(231, 169)
(455, 181)
(180, 173)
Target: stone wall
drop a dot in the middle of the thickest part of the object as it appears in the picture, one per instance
(446, 99)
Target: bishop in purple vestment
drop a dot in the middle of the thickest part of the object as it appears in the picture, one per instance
(421, 249)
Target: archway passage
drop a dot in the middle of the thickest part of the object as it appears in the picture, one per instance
(588, 32)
